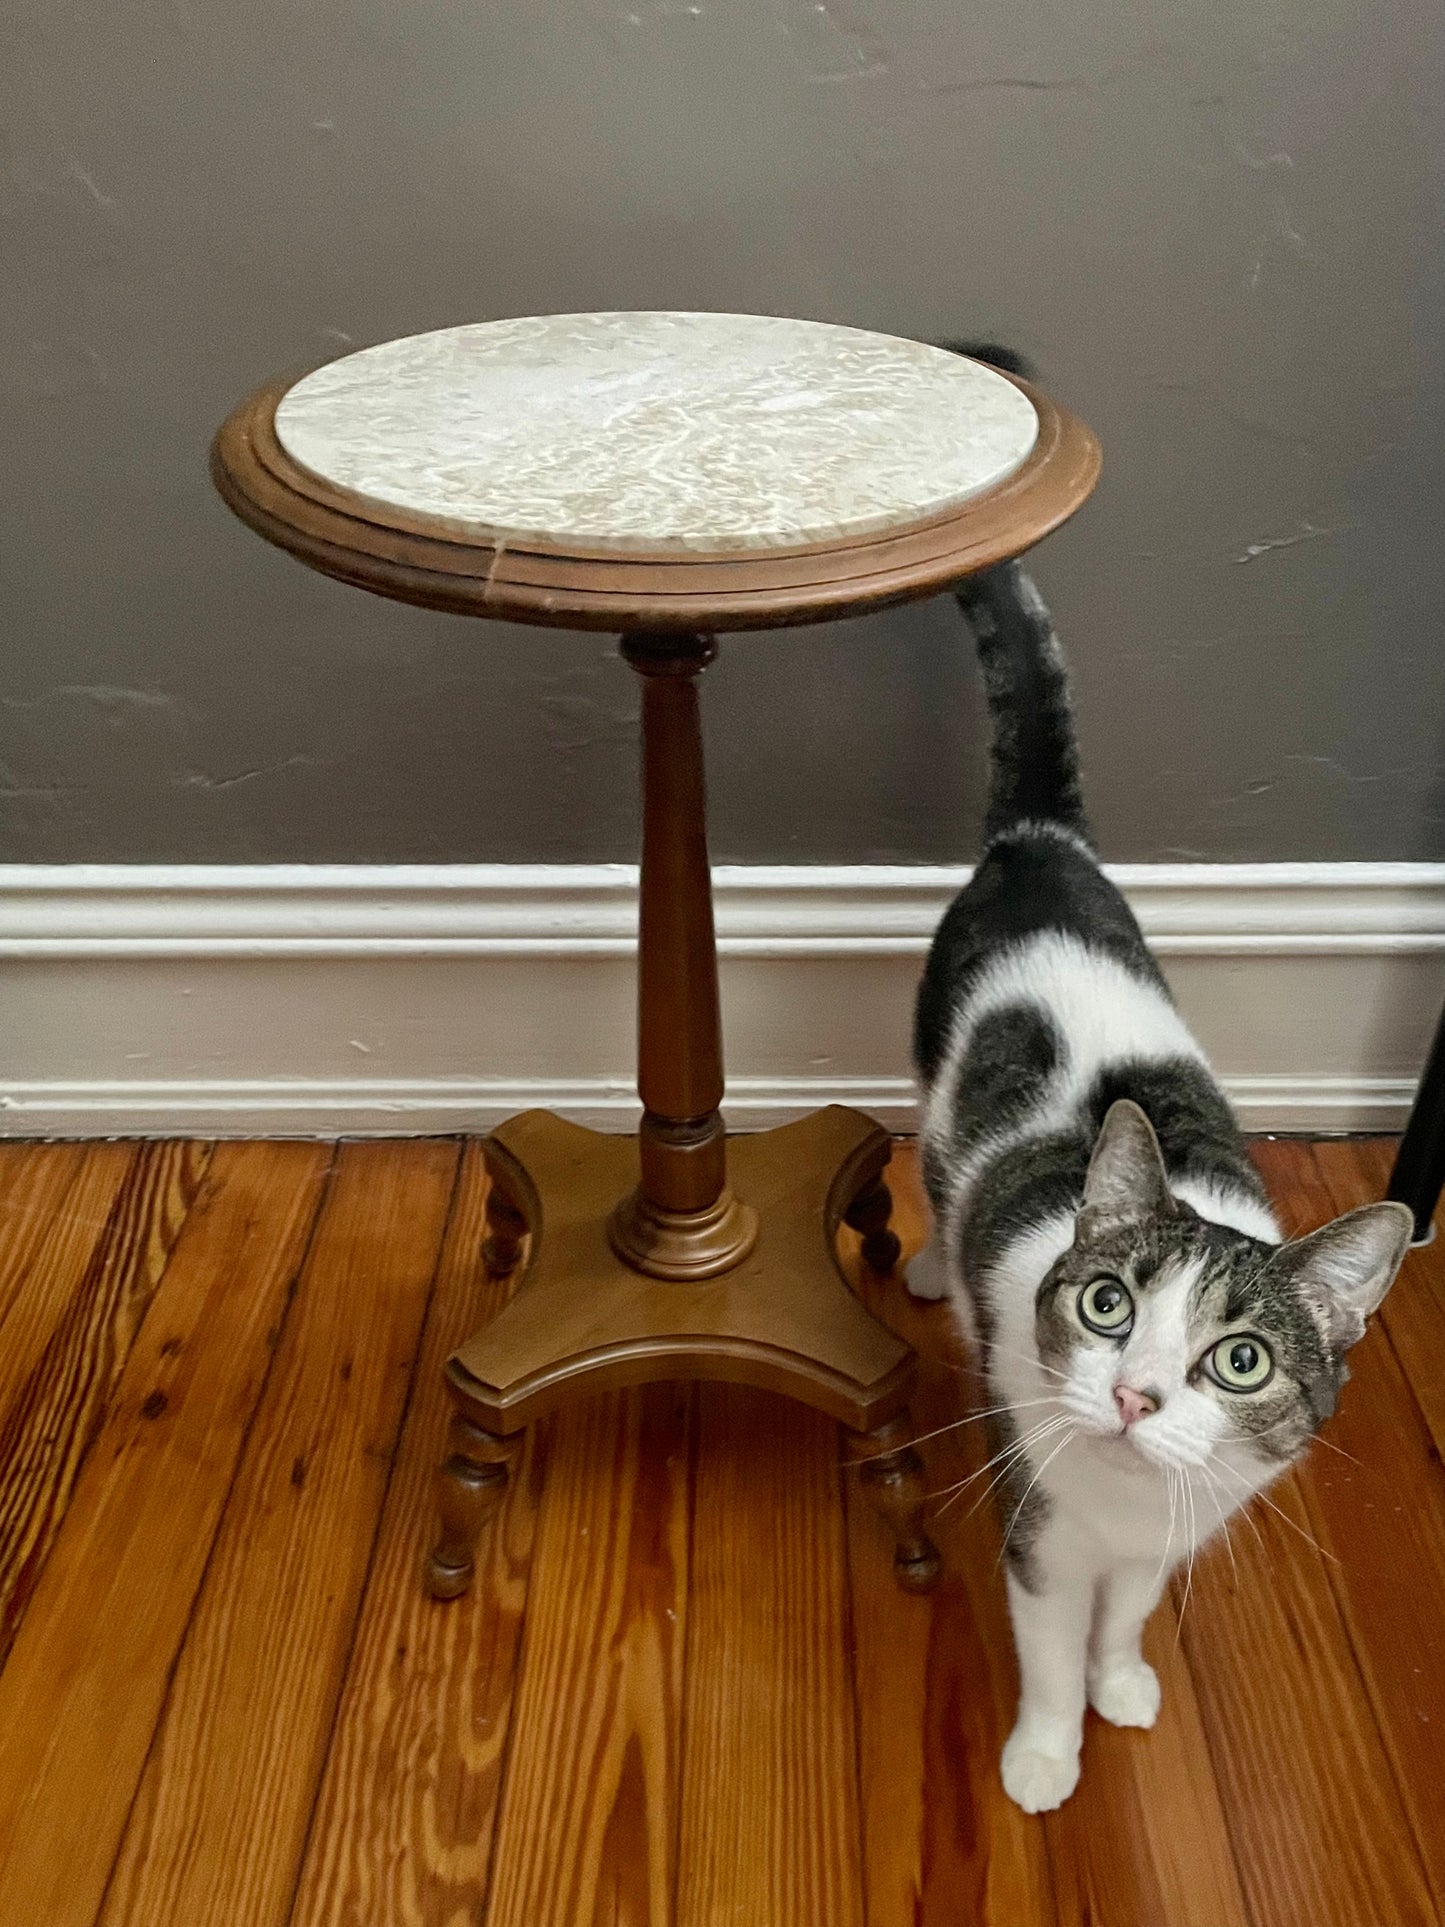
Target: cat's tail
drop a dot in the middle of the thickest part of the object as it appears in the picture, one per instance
(1035, 758)
(1035, 752)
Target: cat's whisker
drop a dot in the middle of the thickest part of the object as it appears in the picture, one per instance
(1018, 1509)
(1189, 1568)
(993, 1485)
(1330, 1446)
(1213, 1490)
(1241, 1505)
(1025, 1358)
(1308, 1537)
(1015, 1449)
(1279, 1512)
(1245, 1438)
(1169, 1535)
(1012, 1450)
(971, 1418)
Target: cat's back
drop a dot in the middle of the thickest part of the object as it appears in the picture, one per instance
(1049, 1008)
(1033, 886)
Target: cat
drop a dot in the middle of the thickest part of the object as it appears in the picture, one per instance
(1153, 1351)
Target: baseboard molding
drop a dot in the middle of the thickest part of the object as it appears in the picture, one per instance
(278, 1107)
(297, 1000)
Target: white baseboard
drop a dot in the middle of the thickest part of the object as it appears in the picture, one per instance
(296, 1000)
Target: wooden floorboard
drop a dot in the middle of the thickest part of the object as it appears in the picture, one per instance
(588, 1826)
(685, 1691)
(45, 1254)
(1381, 1512)
(63, 1385)
(1315, 1816)
(34, 1179)
(934, 1675)
(219, 1822)
(770, 1827)
(85, 1681)
(404, 1825)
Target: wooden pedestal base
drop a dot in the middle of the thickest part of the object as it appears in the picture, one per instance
(782, 1318)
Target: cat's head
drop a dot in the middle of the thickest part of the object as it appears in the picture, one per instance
(1180, 1337)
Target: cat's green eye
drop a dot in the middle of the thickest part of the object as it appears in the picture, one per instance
(1241, 1362)
(1106, 1307)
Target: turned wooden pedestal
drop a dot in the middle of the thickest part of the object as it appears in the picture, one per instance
(678, 1253)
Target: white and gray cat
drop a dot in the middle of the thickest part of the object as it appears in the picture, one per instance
(1155, 1353)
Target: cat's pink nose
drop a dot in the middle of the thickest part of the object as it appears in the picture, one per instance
(1134, 1405)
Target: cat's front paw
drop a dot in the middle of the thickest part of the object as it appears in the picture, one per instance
(1125, 1693)
(1034, 1779)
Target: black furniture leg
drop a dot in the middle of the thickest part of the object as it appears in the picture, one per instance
(1419, 1170)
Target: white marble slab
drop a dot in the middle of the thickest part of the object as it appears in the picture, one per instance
(651, 433)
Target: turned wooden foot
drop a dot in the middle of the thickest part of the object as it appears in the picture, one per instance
(470, 1488)
(506, 1228)
(869, 1213)
(892, 1475)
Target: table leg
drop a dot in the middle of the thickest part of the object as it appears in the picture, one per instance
(892, 1475)
(869, 1214)
(471, 1485)
(681, 1222)
(640, 1264)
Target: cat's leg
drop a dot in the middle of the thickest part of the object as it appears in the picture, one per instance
(927, 1272)
(1123, 1686)
(1051, 1633)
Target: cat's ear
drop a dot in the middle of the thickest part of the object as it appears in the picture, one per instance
(1127, 1180)
(1343, 1270)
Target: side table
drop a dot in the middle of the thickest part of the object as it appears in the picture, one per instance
(665, 477)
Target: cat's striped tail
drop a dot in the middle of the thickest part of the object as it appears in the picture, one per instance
(1035, 754)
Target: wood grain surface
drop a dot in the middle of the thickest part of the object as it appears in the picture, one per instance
(770, 1823)
(685, 1690)
(404, 1825)
(588, 1827)
(219, 1822)
(121, 1213)
(1381, 1514)
(85, 1681)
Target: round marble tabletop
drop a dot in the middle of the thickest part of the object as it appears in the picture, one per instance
(646, 434)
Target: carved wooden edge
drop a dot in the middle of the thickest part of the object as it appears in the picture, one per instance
(705, 1359)
(422, 560)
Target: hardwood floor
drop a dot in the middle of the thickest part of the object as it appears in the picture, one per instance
(685, 1688)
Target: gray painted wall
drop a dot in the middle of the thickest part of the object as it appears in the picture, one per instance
(1216, 224)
